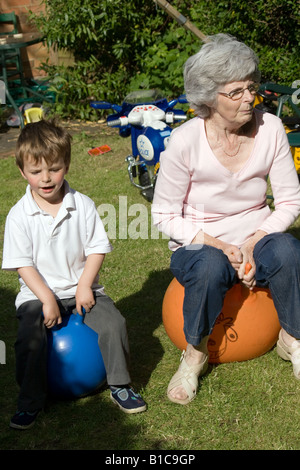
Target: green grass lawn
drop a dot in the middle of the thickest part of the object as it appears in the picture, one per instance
(249, 405)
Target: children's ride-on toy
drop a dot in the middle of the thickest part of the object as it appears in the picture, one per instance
(283, 101)
(147, 117)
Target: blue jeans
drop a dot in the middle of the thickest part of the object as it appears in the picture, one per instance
(207, 274)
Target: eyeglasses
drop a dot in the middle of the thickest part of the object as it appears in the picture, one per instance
(237, 94)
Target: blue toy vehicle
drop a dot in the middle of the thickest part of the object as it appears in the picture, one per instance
(147, 117)
(283, 101)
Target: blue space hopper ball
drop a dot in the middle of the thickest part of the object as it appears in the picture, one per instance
(75, 364)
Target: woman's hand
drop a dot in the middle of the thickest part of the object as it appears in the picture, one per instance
(232, 252)
(247, 276)
(240, 261)
(234, 255)
(238, 257)
(246, 272)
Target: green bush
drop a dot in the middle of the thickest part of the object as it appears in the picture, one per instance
(270, 27)
(119, 47)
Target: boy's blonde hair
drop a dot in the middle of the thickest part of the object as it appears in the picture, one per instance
(44, 139)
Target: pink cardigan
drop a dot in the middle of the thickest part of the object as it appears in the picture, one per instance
(194, 191)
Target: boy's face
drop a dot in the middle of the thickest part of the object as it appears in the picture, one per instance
(46, 180)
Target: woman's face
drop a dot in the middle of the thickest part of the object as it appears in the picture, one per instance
(235, 113)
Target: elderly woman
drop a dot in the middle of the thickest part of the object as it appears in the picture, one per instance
(210, 199)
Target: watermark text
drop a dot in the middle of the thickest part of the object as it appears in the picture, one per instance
(2, 352)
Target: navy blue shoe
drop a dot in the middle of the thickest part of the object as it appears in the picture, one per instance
(127, 399)
(23, 419)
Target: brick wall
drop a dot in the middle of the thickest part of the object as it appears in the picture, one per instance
(32, 56)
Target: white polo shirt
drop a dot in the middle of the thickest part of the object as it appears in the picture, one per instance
(57, 247)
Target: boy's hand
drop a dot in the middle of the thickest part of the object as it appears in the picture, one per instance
(84, 293)
(37, 285)
(51, 314)
(84, 298)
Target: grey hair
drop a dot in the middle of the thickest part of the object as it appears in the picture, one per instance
(222, 59)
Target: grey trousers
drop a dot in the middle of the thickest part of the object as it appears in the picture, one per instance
(31, 347)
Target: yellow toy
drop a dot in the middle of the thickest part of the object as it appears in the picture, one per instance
(33, 115)
(283, 101)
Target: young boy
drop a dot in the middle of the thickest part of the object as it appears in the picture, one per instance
(55, 240)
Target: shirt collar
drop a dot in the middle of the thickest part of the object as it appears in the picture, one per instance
(31, 207)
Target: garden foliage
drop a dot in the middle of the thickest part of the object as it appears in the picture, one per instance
(121, 46)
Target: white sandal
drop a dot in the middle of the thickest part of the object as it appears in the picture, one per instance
(290, 353)
(187, 377)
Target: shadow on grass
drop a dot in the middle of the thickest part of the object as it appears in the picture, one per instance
(8, 329)
(143, 313)
(92, 422)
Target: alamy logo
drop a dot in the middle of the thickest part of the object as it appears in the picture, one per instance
(296, 94)
(2, 353)
(133, 221)
(2, 93)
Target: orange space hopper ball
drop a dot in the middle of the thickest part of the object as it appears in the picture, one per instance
(247, 326)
